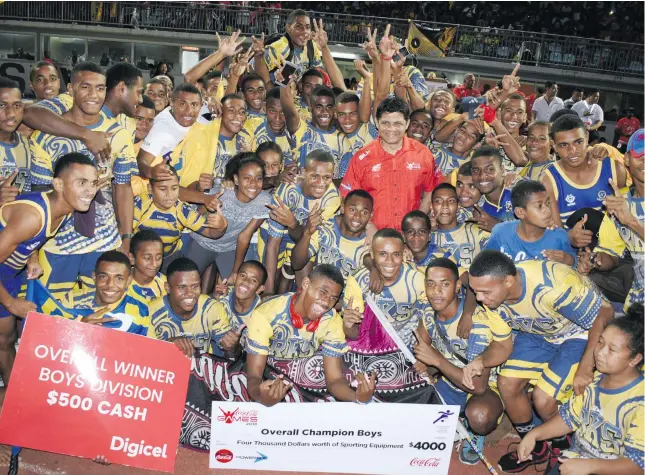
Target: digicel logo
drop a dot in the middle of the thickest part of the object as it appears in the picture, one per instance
(224, 456)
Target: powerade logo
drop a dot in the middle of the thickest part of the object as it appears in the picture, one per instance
(256, 458)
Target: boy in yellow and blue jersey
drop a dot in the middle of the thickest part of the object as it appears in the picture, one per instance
(319, 134)
(297, 326)
(577, 180)
(467, 192)
(402, 285)
(558, 316)
(462, 241)
(74, 250)
(449, 157)
(296, 202)
(416, 229)
(189, 319)
(232, 137)
(271, 128)
(307, 83)
(146, 256)
(15, 154)
(449, 352)
(113, 307)
(488, 177)
(244, 297)
(607, 419)
(25, 225)
(340, 241)
(163, 212)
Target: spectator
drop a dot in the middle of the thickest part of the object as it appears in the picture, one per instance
(47, 56)
(626, 127)
(576, 96)
(547, 104)
(467, 89)
(589, 111)
(161, 69)
(105, 60)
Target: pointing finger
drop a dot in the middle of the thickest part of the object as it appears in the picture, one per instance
(517, 68)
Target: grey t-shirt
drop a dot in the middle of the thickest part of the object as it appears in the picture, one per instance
(238, 215)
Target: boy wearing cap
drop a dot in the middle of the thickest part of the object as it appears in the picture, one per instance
(625, 208)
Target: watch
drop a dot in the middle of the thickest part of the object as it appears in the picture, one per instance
(127, 236)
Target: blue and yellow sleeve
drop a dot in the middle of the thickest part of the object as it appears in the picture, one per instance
(125, 162)
(634, 443)
(259, 333)
(574, 299)
(332, 340)
(276, 229)
(189, 218)
(354, 293)
(487, 327)
(41, 167)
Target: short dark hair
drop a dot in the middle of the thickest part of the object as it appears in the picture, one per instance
(206, 78)
(322, 91)
(147, 103)
(593, 91)
(239, 161)
(444, 263)
(567, 122)
(422, 111)
(550, 84)
(632, 325)
(69, 159)
(312, 72)
(391, 105)
(234, 95)
(493, 263)
(258, 265)
(540, 90)
(181, 264)
(144, 235)
(173, 172)
(86, 66)
(118, 72)
(539, 123)
(184, 87)
(321, 156)
(466, 169)
(250, 77)
(270, 146)
(557, 114)
(291, 19)
(515, 97)
(486, 151)
(337, 91)
(388, 233)
(415, 214)
(330, 272)
(273, 94)
(523, 190)
(348, 97)
(113, 256)
(444, 186)
(38, 65)
(360, 194)
(6, 83)
(578, 89)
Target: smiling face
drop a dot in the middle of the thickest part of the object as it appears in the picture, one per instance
(46, 83)
(392, 127)
(488, 174)
(467, 192)
(307, 85)
(357, 212)
(275, 116)
(248, 282)
(233, 115)
(157, 93)
(184, 289)
(318, 177)
(513, 115)
(636, 167)
(445, 205)
(538, 143)
(300, 30)
(322, 111)
(185, 108)
(320, 294)
(388, 258)
(465, 139)
(571, 147)
(78, 186)
(112, 280)
(11, 110)
(145, 118)
(420, 126)
(441, 105)
(254, 94)
(88, 89)
(442, 287)
(347, 114)
(249, 180)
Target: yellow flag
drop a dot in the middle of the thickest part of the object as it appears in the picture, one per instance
(429, 42)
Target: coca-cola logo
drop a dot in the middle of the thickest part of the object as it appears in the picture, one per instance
(224, 456)
(432, 462)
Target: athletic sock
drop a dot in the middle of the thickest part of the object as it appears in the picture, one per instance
(524, 428)
(562, 443)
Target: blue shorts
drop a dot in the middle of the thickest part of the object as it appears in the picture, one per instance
(11, 282)
(63, 271)
(548, 366)
(451, 395)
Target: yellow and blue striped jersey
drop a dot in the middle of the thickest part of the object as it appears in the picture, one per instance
(465, 214)
(503, 209)
(416, 78)
(309, 138)
(17, 260)
(352, 143)
(16, 156)
(534, 171)
(557, 302)
(132, 314)
(445, 160)
(271, 333)
(303, 109)
(397, 300)
(205, 327)
(276, 51)
(237, 319)
(571, 196)
(463, 242)
(257, 128)
(608, 423)
(329, 246)
(227, 148)
(155, 289)
(168, 224)
(432, 253)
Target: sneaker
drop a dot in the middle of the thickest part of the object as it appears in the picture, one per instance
(467, 455)
(553, 459)
(509, 462)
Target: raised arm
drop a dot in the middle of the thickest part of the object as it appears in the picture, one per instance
(227, 47)
(289, 107)
(259, 64)
(365, 104)
(322, 40)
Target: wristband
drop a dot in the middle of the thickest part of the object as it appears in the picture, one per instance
(127, 236)
(363, 403)
(489, 114)
(385, 58)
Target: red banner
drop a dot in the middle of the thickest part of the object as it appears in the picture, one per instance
(83, 390)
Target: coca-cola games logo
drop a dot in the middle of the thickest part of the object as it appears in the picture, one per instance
(431, 462)
(224, 456)
(247, 417)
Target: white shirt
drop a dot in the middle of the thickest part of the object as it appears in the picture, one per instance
(543, 109)
(590, 114)
(165, 135)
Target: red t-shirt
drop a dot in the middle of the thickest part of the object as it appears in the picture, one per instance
(627, 127)
(462, 91)
(396, 182)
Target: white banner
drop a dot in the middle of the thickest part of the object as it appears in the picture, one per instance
(383, 439)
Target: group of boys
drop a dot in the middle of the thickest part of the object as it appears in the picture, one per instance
(488, 274)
